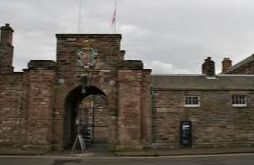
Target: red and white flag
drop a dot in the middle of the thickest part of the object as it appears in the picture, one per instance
(113, 21)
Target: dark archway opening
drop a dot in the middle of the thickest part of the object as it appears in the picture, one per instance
(85, 113)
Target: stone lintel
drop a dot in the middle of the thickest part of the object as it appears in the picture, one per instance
(90, 36)
(131, 65)
(42, 64)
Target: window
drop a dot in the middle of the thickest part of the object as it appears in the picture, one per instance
(191, 101)
(239, 101)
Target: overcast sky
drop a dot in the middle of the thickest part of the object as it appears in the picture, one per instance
(169, 36)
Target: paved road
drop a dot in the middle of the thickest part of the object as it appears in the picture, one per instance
(243, 159)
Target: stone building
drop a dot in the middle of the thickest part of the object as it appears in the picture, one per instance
(119, 102)
(39, 105)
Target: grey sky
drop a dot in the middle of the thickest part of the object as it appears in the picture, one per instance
(170, 36)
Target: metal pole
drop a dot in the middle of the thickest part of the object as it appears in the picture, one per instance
(79, 16)
(115, 24)
(153, 98)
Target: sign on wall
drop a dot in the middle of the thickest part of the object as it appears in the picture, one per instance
(86, 57)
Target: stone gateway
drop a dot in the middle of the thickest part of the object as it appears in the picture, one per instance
(92, 91)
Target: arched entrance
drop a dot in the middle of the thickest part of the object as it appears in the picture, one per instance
(86, 113)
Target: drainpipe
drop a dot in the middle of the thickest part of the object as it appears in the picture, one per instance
(153, 112)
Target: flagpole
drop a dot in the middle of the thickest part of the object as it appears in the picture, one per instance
(115, 17)
(79, 16)
(115, 24)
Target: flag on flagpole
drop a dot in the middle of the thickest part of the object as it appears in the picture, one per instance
(113, 21)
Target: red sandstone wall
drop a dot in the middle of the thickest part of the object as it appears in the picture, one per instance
(39, 91)
(12, 113)
(103, 75)
(36, 112)
(134, 108)
(146, 109)
(129, 114)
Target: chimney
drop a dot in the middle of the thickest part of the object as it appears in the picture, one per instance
(6, 35)
(226, 64)
(6, 49)
(208, 67)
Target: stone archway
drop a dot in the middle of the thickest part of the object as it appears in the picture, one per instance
(86, 110)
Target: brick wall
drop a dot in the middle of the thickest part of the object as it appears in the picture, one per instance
(214, 123)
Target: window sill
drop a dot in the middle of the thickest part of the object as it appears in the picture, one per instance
(192, 106)
(239, 106)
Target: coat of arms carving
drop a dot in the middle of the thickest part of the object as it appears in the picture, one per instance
(86, 57)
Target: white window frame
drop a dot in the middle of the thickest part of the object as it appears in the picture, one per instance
(190, 102)
(239, 101)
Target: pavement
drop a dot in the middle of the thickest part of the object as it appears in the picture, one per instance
(229, 159)
(188, 151)
(100, 151)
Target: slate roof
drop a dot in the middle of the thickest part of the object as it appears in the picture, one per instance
(241, 63)
(201, 82)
